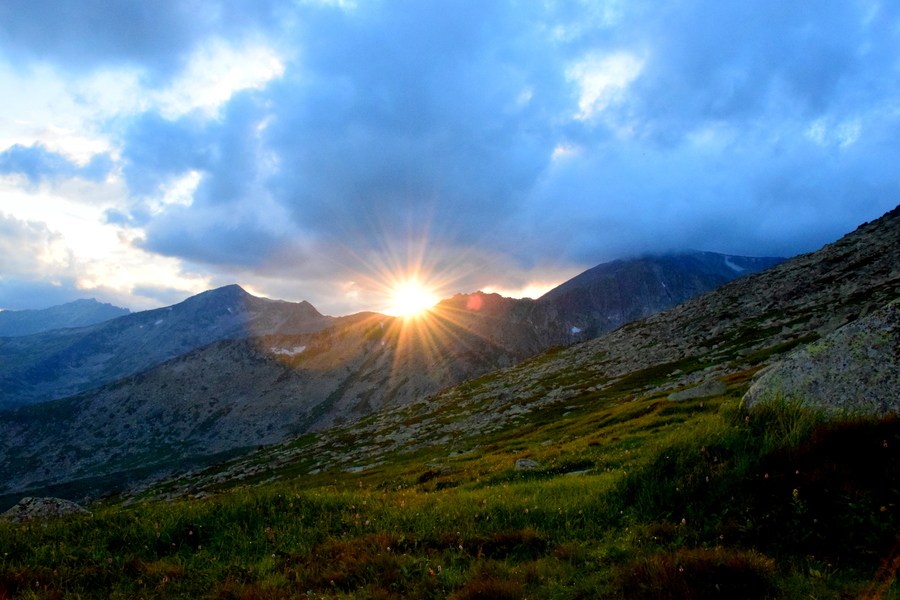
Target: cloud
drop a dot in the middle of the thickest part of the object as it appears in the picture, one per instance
(86, 35)
(29, 248)
(37, 164)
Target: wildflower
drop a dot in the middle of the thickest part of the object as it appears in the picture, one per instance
(460, 547)
(767, 476)
(681, 569)
(109, 561)
(884, 443)
(526, 511)
(684, 521)
(747, 419)
(157, 534)
(431, 572)
(190, 533)
(707, 479)
(366, 523)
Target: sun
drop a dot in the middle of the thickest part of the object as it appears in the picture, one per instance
(411, 298)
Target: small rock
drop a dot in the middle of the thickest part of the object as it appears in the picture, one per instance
(41, 508)
(526, 464)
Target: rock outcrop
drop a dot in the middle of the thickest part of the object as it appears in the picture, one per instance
(42, 508)
(713, 387)
(855, 369)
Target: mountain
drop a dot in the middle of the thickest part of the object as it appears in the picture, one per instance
(232, 395)
(79, 313)
(618, 292)
(55, 364)
(245, 390)
(598, 300)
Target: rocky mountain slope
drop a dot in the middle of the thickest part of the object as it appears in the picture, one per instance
(596, 301)
(59, 363)
(79, 313)
(618, 292)
(233, 395)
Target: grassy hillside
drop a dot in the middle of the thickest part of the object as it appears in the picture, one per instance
(634, 498)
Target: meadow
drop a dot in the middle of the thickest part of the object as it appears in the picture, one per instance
(632, 498)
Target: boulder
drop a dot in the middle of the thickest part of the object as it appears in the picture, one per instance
(526, 464)
(854, 370)
(713, 387)
(41, 508)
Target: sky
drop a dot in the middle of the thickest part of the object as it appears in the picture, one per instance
(327, 150)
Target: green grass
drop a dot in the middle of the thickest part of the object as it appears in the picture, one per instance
(633, 499)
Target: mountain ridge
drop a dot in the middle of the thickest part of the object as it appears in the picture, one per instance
(78, 313)
(60, 363)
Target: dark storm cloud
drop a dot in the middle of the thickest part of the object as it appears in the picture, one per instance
(37, 164)
(399, 120)
(404, 117)
(415, 114)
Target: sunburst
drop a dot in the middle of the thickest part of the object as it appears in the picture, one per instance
(410, 298)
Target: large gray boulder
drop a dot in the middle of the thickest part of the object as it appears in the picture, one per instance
(854, 370)
(41, 508)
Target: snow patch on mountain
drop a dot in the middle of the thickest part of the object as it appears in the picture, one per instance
(293, 352)
(733, 266)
